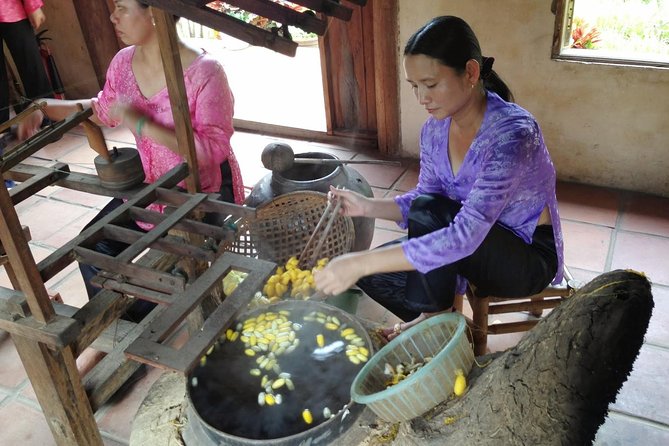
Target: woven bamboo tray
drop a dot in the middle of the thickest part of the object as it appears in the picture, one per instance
(283, 226)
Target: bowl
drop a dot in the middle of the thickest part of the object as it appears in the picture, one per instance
(441, 338)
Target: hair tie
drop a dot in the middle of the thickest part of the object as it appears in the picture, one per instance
(486, 67)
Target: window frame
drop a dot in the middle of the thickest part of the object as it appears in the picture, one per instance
(564, 11)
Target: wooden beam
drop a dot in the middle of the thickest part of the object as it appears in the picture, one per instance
(176, 87)
(46, 136)
(115, 368)
(169, 244)
(15, 318)
(177, 198)
(81, 182)
(133, 290)
(55, 379)
(64, 255)
(353, 139)
(37, 182)
(149, 347)
(26, 273)
(229, 25)
(328, 7)
(386, 76)
(158, 231)
(26, 234)
(274, 11)
(129, 272)
(219, 233)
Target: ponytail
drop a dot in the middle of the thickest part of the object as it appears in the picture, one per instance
(491, 80)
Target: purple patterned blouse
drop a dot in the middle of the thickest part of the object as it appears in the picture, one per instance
(507, 176)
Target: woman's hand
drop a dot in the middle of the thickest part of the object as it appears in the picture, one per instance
(125, 114)
(339, 275)
(29, 125)
(353, 204)
(37, 18)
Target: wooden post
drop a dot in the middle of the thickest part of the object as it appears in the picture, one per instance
(53, 373)
(55, 379)
(386, 75)
(176, 87)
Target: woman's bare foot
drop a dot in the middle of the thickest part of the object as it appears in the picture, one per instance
(88, 359)
(391, 333)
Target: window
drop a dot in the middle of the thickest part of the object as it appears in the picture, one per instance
(629, 32)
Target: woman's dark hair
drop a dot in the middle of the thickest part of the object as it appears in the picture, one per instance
(452, 42)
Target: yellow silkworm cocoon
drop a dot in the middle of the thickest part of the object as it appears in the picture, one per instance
(460, 385)
(320, 340)
(307, 417)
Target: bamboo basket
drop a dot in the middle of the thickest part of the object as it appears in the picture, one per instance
(283, 226)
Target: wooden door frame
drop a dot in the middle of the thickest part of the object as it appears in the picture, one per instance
(360, 83)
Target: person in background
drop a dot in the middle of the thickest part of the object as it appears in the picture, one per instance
(135, 96)
(18, 22)
(484, 210)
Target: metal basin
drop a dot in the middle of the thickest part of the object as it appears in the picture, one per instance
(227, 402)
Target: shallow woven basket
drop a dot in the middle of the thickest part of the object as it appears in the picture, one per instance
(283, 226)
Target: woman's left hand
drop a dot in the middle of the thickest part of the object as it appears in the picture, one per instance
(125, 113)
(339, 275)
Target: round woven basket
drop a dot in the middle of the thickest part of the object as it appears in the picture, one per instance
(282, 227)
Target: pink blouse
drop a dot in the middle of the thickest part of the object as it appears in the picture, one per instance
(12, 11)
(211, 106)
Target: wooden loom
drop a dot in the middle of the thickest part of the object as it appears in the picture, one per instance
(49, 336)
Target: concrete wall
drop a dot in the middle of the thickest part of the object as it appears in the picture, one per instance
(604, 125)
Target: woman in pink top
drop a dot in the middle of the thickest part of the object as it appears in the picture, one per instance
(18, 22)
(135, 96)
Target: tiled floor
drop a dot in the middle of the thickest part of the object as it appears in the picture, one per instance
(604, 229)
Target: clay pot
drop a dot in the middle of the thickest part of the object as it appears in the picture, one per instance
(317, 177)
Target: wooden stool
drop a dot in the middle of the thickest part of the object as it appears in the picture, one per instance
(482, 307)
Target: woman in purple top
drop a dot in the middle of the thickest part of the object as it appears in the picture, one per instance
(484, 210)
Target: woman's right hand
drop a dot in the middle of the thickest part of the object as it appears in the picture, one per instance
(353, 204)
(37, 18)
(29, 125)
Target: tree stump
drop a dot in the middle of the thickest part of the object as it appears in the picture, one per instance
(556, 385)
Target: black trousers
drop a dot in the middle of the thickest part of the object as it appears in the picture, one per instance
(22, 45)
(503, 265)
(140, 308)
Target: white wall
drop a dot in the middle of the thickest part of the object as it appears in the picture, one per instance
(604, 125)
